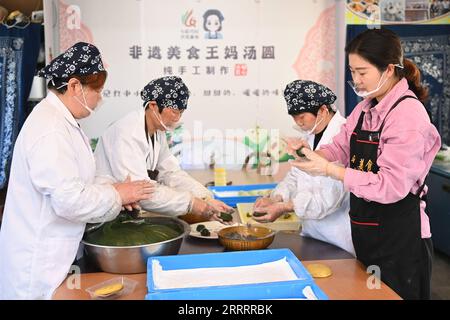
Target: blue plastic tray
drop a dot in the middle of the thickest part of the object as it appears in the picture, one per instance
(233, 201)
(272, 290)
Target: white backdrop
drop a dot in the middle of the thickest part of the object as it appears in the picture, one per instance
(228, 93)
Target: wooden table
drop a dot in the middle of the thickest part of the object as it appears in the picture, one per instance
(347, 282)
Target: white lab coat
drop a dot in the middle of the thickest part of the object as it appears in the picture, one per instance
(51, 196)
(124, 150)
(320, 202)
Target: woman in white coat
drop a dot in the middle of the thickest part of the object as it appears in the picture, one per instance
(320, 202)
(52, 191)
(136, 145)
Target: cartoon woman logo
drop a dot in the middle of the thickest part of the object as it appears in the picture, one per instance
(212, 23)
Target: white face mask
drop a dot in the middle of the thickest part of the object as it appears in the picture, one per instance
(91, 111)
(85, 105)
(166, 128)
(316, 124)
(309, 132)
(364, 94)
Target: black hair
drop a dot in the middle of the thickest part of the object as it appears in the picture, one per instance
(158, 104)
(94, 81)
(212, 12)
(314, 111)
(382, 47)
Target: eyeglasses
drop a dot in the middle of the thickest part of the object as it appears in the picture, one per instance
(176, 112)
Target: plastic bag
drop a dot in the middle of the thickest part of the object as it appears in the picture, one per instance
(112, 288)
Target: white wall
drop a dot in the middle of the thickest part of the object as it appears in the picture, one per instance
(305, 35)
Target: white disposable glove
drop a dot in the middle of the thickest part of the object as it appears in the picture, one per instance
(315, 166)
(273, 212)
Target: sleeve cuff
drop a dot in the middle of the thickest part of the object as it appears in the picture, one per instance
(300, 203)
(283, 195)
(114, 210)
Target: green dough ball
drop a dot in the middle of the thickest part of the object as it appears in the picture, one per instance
(300, 153)
(225, 216)
(205, 232)
(200, 227)
(259, 214)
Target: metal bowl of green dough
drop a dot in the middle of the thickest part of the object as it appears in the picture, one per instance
(124, 244)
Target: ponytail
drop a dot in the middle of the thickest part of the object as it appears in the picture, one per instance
(412, 73)
(382, 47)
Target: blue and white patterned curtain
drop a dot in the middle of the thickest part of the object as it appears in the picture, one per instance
(19, 50)
(429, 47)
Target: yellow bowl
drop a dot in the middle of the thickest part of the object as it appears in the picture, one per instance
(246, 238)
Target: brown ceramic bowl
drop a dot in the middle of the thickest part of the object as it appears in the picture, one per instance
(192, 218)
(246, 238)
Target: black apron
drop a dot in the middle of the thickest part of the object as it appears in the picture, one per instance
(152, 174)
(388, 235)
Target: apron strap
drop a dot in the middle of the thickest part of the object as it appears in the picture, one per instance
(152, 174)
(381, 129)
(393, 107)
(360, 121)
(146, 130)
(361, 118)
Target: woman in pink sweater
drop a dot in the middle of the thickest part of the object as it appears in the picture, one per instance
(383, 154)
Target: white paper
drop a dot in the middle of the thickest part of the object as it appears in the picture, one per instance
(225, 194)
(275, 271)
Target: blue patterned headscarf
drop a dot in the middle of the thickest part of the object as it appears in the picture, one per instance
(80, 59)
(307, 96)
(167, 92)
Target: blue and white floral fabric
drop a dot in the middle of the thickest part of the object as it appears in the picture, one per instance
(307, 96)
(80, 59)
(167, 92)
(19, 50)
